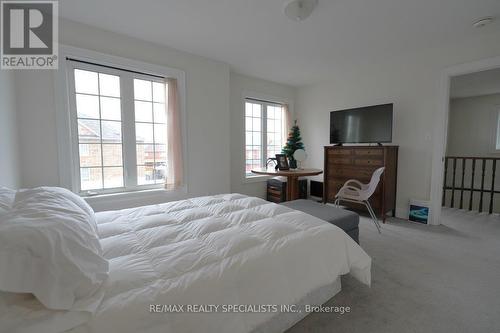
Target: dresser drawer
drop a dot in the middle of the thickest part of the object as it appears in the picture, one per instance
(339, 152)
(369, 152)
(274, 199)
(275, 192)
(332, 162)
(361, 174)
(368, 162)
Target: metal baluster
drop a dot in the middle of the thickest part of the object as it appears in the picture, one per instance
(453, 184)
(462, 187)
(492, 193)
(482, 185)
(444, 183)
(472, 183)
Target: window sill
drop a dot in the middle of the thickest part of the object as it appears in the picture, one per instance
(255, 179)
(111, 201)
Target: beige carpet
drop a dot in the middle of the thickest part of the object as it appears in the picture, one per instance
(424, 279)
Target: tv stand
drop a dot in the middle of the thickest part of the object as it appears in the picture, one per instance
(338, 145)
(379, 144)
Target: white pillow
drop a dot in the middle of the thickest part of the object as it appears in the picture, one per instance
(49, 247)
(6, 199)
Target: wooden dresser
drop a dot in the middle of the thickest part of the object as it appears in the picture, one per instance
(359, 162)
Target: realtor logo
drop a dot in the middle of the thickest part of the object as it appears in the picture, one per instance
(29, 34)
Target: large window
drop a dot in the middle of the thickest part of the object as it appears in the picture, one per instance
(264, 131)
(121, 131)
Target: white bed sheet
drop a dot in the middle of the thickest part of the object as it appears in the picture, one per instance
(223, 249)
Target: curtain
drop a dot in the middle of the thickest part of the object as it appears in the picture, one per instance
(174, 137)
(287, 123)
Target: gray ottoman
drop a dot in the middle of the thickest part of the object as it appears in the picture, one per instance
(344, 219)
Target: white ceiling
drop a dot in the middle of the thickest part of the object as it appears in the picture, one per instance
(254, 36)
(476, 84)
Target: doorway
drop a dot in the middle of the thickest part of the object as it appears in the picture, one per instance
(452, 146)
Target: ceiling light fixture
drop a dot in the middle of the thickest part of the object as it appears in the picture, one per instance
(299, 10)
(482, 22)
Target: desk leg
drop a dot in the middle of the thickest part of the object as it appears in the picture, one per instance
(292, 187)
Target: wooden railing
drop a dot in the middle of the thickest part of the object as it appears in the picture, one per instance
(467, 181)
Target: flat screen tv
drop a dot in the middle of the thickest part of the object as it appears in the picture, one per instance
(369, 124)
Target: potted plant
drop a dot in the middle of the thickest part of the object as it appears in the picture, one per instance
(293, 143)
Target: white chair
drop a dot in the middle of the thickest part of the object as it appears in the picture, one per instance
(357, 192)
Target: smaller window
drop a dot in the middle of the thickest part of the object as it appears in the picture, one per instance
(151, 131)
(98, 112)
(264, 130)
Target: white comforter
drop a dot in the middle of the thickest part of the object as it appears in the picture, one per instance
(217, 250)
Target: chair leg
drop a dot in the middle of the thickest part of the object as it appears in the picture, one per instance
(372, 214)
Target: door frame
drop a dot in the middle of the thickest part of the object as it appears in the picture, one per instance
(441, 128)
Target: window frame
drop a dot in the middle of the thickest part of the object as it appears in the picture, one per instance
(269, 100)
(496, 130)
(67, 126)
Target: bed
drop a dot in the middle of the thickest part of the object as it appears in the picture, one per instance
(242, 254)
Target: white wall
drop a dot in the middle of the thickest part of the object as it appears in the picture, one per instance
(9, 163)
(411, 83)
(241, 85)
(472, 126)
(207, 105)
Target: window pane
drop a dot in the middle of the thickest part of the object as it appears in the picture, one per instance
(257, 110)
(112, 155)
(279, 114)
(86, 82)
(109, 85)
(144, 111)
(159, 92)
(160, 154)
(160, 133)
(113, 177)
(270, 140)
(89, 131)
(248, 138)
(111, 131)
(160, 114)
(256, 152)
(256, 136)
(110, 108)
(248, 109)
(145, 175)
(142, 152)
(270, 125)
(90, 155)
(248, 154)
(256, 124)
(91, 179)
(160, 173)
(248, 123)
(270, 112)
(142, 90)
(144, 133)
(87, 106)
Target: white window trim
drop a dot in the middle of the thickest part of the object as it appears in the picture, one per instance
(68, 163)
(495, 131)
(245, 179)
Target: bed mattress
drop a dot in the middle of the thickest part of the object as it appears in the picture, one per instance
(242, 254)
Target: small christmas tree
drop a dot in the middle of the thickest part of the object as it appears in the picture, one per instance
(293, 143)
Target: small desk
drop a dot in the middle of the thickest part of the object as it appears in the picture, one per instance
(292, 188)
